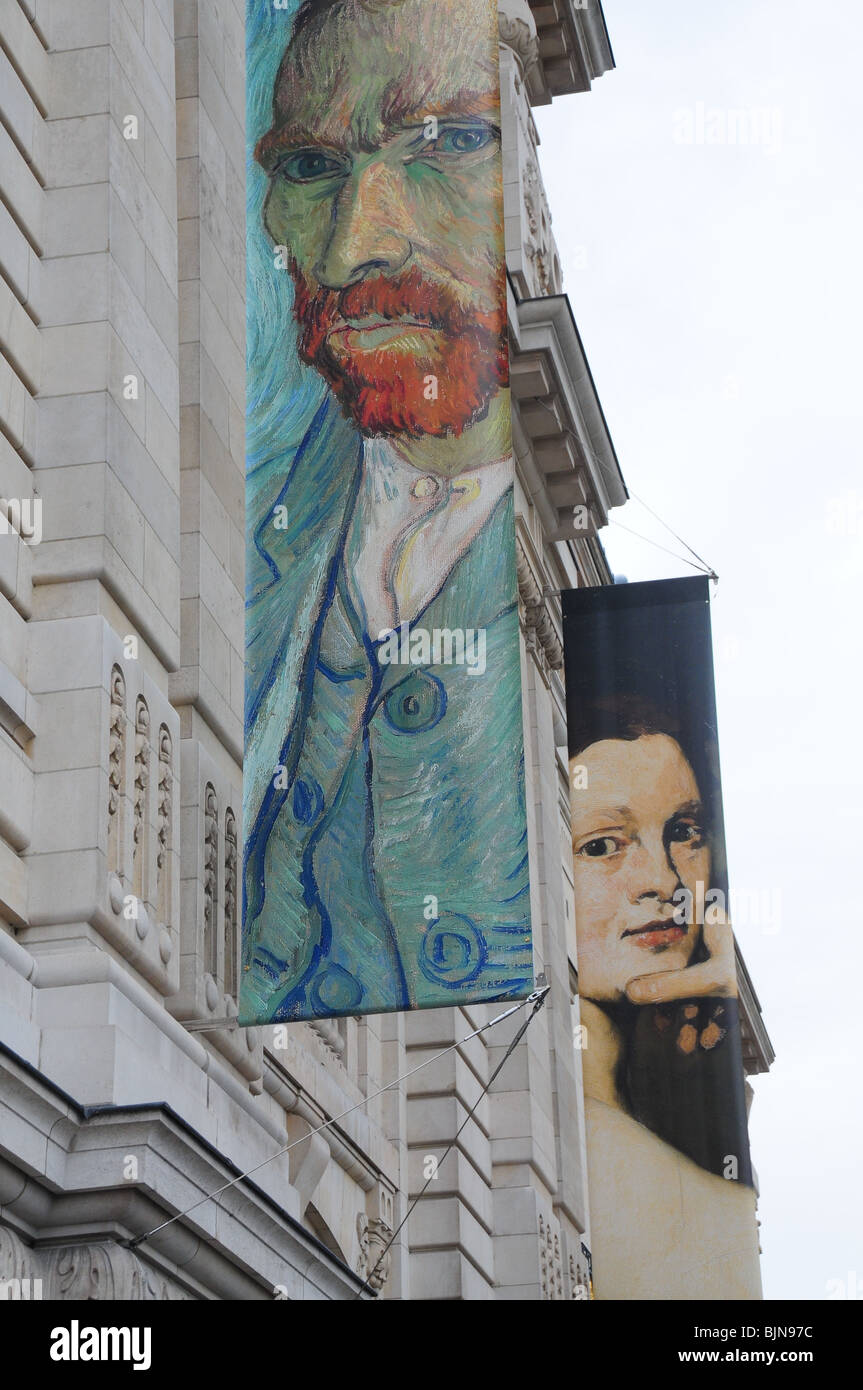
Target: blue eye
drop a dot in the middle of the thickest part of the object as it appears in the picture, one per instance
(464, 141)
(459, 142)
(305, 166)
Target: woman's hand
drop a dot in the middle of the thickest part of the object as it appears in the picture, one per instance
(716, 976)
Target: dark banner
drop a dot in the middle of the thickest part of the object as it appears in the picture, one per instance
(668, 1151)
(385, 839)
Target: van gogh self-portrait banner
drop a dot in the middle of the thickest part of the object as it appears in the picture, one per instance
(385, 844)
(667, 1140)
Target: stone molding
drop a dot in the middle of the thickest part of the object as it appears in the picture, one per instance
(116, 1172)
(537, 621)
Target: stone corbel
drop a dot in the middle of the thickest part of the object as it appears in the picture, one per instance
(373, 1233)
(517, 29)
(540, 632)
(309, 1161)
(327, 1030)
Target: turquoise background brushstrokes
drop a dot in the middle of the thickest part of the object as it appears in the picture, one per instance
(282, 394)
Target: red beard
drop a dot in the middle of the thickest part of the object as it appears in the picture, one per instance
(385, 389)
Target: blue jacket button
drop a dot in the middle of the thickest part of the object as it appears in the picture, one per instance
(416, 704)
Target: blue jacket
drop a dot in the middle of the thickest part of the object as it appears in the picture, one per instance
(385, 858)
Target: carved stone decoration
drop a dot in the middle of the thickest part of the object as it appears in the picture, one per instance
(21, 1269)
(165, 785)
(373, 1234)
(116, 770)
(540, 262)
(517, 29)
(531, 195)
(164, 790)
(84, 1272)
(533, 198)
(551, 1271)
(330, 1034)
(540, 632)
(211, 876)
(579, 1283)
(142, 783)
(363, 1238)
(379, 1234)
(536, 244)
(107, 1272)
(549, 1250)
(231, 943)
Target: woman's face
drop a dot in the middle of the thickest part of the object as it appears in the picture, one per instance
(637, 837)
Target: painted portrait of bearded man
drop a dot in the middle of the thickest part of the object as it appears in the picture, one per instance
(385, 857)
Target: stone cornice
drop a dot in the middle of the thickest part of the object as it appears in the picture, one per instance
(206, 1252)
(559, 412)
(758, 1054)
(573, 48)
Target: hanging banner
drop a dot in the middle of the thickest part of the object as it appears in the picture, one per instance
(385, 841)
(667, 1143)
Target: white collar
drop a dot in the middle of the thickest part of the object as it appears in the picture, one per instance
(405, 539)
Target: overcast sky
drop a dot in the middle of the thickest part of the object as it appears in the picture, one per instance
(717, 288)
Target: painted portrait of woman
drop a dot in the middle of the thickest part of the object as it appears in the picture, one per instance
(667, 1142)
(661, 971)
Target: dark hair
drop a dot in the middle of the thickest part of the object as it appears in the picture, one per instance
(625, 716)
(689, 1096)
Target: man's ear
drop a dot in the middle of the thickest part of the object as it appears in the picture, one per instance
(263, 155)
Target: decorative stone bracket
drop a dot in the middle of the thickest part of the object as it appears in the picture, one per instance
(373, 1234)
(539, 626)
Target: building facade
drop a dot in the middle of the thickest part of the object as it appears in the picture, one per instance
(128, 1093)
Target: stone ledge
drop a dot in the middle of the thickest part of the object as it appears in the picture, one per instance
(208, 1254)
(571, 460)
(573, 47)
